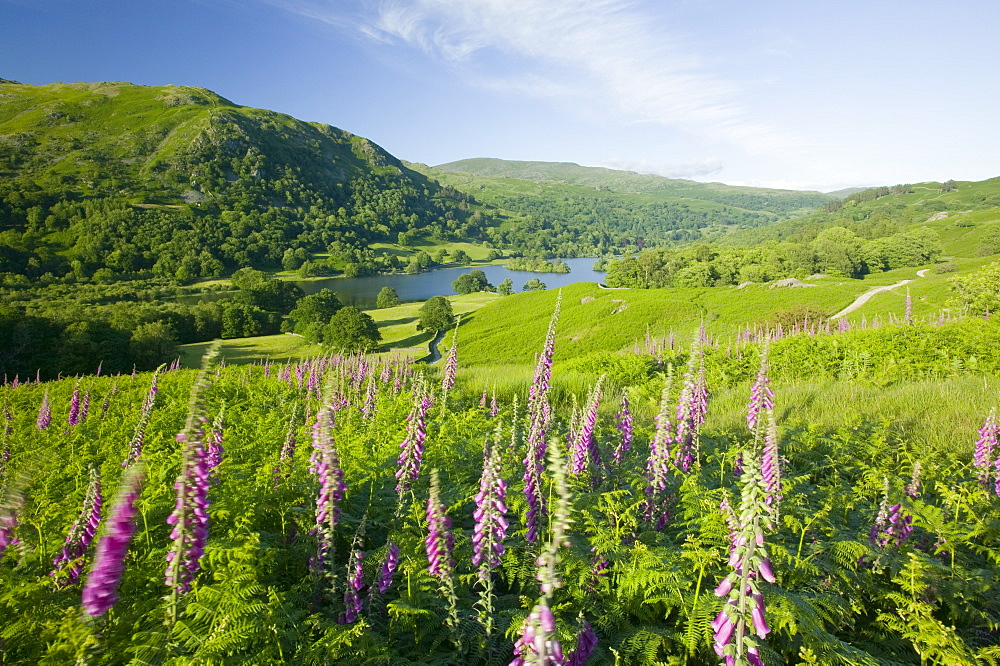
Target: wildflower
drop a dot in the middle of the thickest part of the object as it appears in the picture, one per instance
(537, 644)
(625, 428)
(100, 592)
(74, 407)
(190, 515)
(355, 583)
(986, 448)
(81, 534)
(388, 568)
(326, 466)
(743, 611)
(585, 645)
(139, 434)
(913, 488)
(771, 468)
(412, 447)
(44, 413)
(490, 529)
(761, 395)
(585, 452)
(440, 545)
(658, 465)
(539, 418)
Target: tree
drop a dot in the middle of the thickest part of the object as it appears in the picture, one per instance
(534, 284)
(351, 330)
(461, 257)
(980, 291)
(152, 344)
(311, 310)
(506, 288)
(436, 314)
(387, 298)
(467, 283)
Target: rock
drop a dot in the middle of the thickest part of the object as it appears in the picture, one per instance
(587, 299)
(790, 282)
(744, 284)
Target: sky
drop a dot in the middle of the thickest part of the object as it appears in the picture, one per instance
(800, 95)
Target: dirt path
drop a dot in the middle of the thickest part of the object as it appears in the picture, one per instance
(865, 297)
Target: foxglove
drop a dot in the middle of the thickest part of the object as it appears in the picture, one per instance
(139, 434)
(440, 545)
(44, 413)
(490, 529)
(69, 563)
(74, 407)
(625, 428)
(326, 467)
(986, 448)
(658, 465)
(761, 395)
(388, 568)
(190, 516)
(100, 592)
(412, 447)
(584, 447)
(539, 418)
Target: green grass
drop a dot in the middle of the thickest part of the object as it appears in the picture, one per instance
(397, 325)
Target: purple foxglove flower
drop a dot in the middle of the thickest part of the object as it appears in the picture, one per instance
(490, 516)
(388, 568)
(451, 365)
(913, 487)
(986, 448)
(100, 592)
(214, 449)
(69, 563)
(44, 413)
(744, 606)
(288, 448)
(483, 399)
(439, 542)
(537, 644)
(326, 467)
(85, 406)
(761, 395)
(585, 644)
(190, 516)
(539, 419)
(625, 428)
(355, 583)
(139, 434)
(770, 464)
(585, 453)
(494, 408)
(412, 447)
(658, 466)
(74, 407)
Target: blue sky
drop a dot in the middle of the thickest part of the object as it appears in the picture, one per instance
(782, 94)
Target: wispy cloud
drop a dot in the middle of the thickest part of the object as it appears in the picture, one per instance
(609, 55)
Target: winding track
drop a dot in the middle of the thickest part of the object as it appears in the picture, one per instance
(865, 297)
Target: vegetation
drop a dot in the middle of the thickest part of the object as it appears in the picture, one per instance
(387, 298)
(436, 314)
(467, 283)
(870, 509)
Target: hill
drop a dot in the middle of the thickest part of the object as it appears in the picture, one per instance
(181, 182)
(780, 202)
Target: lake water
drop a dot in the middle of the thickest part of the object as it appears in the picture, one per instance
(362, 292)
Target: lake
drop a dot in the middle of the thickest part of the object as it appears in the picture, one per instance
(361, 292)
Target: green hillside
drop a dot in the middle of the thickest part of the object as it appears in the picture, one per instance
(180, 182)
(781, 202)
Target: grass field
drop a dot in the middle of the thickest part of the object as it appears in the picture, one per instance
(397, 325)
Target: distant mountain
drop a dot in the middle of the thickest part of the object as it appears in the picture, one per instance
(846, 192)
(780, 202)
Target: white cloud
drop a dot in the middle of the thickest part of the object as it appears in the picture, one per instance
(604, 56)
